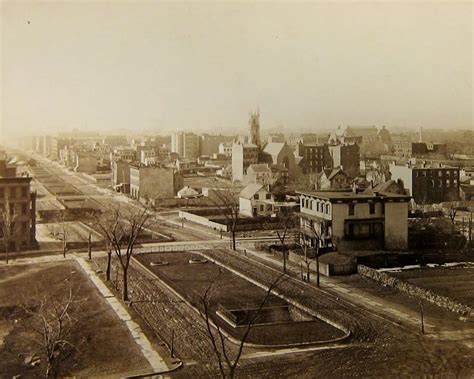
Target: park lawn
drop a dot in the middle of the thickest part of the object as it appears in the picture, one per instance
(104, 345)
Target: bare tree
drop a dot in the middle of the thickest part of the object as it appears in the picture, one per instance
(121, 228)
(288, 225)
(229, 206)
(227, 364)
(316, 237)
(9, 227)
(53, 322)
(452, 211)
(62, 231)
(109, 261)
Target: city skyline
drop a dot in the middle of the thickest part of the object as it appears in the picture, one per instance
(204, 66)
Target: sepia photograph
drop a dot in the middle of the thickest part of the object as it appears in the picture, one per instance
(236, 189)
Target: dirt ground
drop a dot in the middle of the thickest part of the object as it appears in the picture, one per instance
(104, 345)
(232, 292)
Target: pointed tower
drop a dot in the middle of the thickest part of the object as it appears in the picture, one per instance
(254, 121)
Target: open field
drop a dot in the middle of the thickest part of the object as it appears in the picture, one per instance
(96, 334)
(456, 283)
(231, 294)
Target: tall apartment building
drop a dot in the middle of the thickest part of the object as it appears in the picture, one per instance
(346, 156)
(17, 199)
(243, 155)
(186, 145)
(316, 157)
(428, 183)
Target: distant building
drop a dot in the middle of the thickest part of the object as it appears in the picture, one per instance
(16, 197)
(333, 179)
(258, 200)
(114, 141)
(148, 157)
(123, 154)
(279, 154)
(346, 156)
(225, 148)
(259, 174)
(348, 221)
(426, 183)
(186, 145)
(121, 176)
(276, 137)
(210, 143)
(316, 157)
(154, 183)
(243, 155)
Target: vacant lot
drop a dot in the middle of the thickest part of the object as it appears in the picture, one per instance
(454, 282)
(103, 345)
(231, 292)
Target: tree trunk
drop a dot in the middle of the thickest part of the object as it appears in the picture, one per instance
(109, 263)
(64, 249)
(284, 260)
(89, 246)
(317, 264)
(308, 271)
(125, 284)
(233, 239)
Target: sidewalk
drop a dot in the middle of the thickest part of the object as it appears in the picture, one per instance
(156, 361)
(387, 310)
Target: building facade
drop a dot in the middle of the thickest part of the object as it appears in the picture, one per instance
(17, 199)
(348, 221)
(316, 157)
(346, 156)
(428, 183)
(154, 183)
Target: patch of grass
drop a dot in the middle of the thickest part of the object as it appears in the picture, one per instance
(104, 345)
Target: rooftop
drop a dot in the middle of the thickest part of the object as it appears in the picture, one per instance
(340, 195)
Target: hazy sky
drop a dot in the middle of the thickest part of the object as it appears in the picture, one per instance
(200, 65)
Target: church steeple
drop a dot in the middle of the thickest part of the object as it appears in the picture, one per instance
(254, 121)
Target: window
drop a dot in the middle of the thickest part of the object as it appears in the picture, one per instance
(327, 208)
(261, 208)
(448, 184)
(255, 196)
(268, 196)
(440, 174)
(317, 206)
(351, 209)
(455, 182)
(448, 173)
(311, 204)
(372, 208)
(455, 174)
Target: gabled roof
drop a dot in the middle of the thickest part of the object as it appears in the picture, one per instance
(250, 190)
(274, 148)
(262, 167)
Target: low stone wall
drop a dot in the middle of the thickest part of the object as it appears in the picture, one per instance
(387, 280)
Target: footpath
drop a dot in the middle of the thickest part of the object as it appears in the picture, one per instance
(154, 359)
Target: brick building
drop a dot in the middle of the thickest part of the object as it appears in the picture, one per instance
(428, 183)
